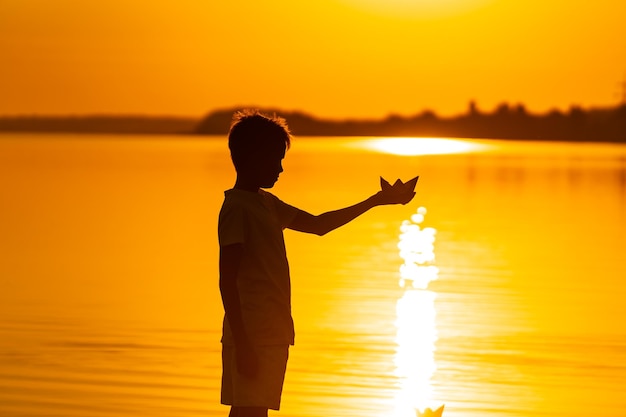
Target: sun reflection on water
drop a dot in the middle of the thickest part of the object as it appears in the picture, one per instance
(416, 318)
(422, 146)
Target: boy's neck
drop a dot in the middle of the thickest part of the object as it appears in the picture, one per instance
(246, 186)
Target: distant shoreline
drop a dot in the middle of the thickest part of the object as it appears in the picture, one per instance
(98, 124)
(505, 122)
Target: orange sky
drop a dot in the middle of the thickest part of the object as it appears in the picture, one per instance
(331, 58)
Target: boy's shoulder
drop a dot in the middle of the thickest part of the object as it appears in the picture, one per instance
(237, 195)
(262, 206)
(248, 200)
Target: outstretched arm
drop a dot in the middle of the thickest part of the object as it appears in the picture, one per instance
(326, 222)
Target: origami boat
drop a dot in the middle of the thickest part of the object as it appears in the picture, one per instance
(399, 186)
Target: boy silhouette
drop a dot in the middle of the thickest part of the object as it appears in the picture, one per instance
(254, 274)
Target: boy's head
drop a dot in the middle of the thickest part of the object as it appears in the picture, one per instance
(257, 144)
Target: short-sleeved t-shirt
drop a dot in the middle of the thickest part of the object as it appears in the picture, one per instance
(256, 221)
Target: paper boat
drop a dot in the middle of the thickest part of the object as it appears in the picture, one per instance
(399, 186)
(430, 413)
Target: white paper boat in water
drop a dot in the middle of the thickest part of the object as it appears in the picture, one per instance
(430, 413)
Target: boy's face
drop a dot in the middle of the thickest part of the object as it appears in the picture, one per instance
(267, 168)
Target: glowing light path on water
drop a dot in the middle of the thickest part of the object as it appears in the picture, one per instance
(415, 318)
(422, 146)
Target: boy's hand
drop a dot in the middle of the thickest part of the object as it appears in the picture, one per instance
(398, 193)
(247, 360)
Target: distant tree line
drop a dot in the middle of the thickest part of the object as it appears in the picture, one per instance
(99, 124)
(505, 122)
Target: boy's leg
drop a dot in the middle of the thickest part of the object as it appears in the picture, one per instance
(248, 412)
(262, 392)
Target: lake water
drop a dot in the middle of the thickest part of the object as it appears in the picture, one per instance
(109, 304)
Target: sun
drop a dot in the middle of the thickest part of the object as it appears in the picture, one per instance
(417, 8)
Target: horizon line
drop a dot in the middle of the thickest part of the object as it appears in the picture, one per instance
(105, 114)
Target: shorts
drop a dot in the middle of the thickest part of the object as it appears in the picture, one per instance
(265, 389)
